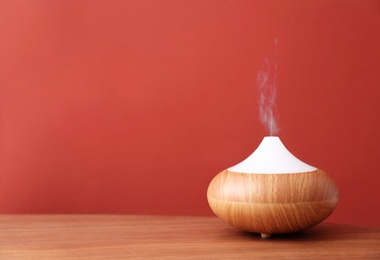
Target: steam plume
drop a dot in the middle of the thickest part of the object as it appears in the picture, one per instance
(267, 88)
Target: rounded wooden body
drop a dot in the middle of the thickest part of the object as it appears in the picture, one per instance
(273, 203)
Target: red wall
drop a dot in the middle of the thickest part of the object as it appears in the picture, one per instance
(134, 106)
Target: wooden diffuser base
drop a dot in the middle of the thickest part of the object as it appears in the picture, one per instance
(272, 203)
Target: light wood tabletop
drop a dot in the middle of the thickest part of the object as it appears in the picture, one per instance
(173, 237)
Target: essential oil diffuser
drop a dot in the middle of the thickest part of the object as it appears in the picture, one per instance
(272, 192)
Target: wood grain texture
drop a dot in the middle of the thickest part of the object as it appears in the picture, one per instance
(52, 237)
(273, 203)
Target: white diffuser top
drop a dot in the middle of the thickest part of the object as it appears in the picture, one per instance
(272, 157)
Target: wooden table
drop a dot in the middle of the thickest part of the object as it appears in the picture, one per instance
(164, 237)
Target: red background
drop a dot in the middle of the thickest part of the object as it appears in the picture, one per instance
(134, 106)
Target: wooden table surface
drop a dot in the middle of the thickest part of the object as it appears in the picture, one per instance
(169, 237)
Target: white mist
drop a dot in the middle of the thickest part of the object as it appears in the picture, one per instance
(267, 90)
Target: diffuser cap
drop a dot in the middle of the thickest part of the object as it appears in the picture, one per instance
(271, 156)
